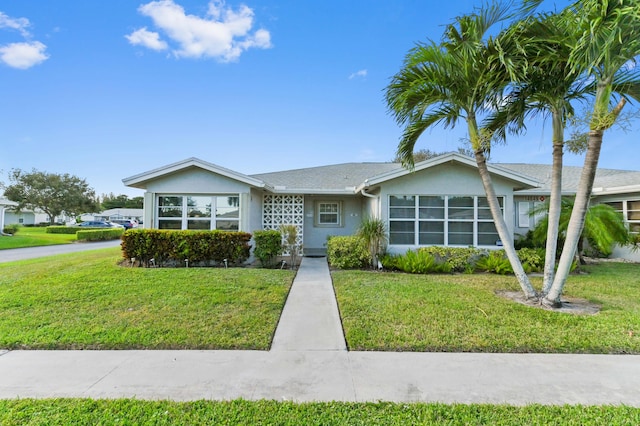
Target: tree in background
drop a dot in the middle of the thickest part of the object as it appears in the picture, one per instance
(52, 193)
(122, 201)
(425, 154)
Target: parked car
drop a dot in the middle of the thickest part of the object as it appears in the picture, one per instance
(128, 224)
(99, 224)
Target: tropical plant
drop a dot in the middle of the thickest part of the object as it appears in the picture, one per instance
(268, 246)
(290, 242)
(606, 48)
(457, 80)
(374, 232)
(603, 227)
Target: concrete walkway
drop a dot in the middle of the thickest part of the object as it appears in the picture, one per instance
(308, 362)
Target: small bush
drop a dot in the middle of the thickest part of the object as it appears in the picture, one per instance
(460, 259)
(11, 229)
(348, 252)
(532, 259)
(496, 261)
(268, 247)
(99, 234)
(390, 261)
(421, 262)
(54, 229)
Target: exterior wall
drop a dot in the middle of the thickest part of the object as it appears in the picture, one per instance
(522, 216)
(445, 179)
(315, 235)
(255, 210)
(22, 218)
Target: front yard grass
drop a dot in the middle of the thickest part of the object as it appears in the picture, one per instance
(241, 412)
(33, 237)
(87, 301)
(462, 313)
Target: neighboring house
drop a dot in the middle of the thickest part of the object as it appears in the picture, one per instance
(4, 205)
(121, 214)
(442, 202)
(30, 217)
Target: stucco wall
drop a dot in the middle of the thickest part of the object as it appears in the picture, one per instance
(445, 179)
(315, 236)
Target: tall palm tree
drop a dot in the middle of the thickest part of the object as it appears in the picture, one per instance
(451, 81)
(536, 50)
(608, 41)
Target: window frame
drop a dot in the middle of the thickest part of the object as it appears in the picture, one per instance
(447, 220)
(187, 222)
(338, 214)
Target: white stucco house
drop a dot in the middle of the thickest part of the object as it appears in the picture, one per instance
(442, 202)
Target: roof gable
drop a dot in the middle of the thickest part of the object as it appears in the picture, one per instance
(141, 180)
(523, 180)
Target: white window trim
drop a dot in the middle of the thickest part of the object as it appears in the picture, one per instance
(185, 218)
(339, 214)
(416, 220)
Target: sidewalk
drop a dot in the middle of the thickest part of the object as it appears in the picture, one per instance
(308, 364)
(11, 255)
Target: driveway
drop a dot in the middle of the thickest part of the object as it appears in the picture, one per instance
(42, 251)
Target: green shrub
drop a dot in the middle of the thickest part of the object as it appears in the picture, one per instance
(496, 261)
(11, 229)
(54, 229)
(268, 247)
(390, 261)
(421, 262)
(460, 259)
(173, 248)
(99, 234)
(532, 259)
(348, 252)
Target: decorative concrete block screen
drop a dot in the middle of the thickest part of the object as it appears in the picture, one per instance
(283, 210)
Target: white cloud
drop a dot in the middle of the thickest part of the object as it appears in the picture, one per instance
(222, 34)
(358, 74)
(18, 24)
(146, 38)
(23, 55)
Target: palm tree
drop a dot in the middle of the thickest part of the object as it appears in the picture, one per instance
(451, 81)
(603, 227)
(536, 50)
(608, 41)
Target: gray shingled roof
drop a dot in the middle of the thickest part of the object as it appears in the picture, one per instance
(570, 175)
(338, 177)
(335, 177)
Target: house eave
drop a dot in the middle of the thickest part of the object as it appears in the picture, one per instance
(140, 180)
(615, 190)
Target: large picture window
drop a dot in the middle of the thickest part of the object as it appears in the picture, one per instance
(202, 212)
(441, 220)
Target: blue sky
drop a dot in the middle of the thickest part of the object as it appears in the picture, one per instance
(106, 90)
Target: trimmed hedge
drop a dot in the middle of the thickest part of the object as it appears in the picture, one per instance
(268, 247)
(348, 252)
(99, 234)
(54, 229)
(172, 248)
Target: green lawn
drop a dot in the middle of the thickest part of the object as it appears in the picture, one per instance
(241, 412)
(451, 313)
(89, 302)
(33, 237)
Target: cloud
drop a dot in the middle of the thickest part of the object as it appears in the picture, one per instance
(147, 39)
(223, 33)
(23, 55)
(358, 74)
(18, 24)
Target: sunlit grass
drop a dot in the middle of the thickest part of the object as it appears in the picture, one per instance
(241, 412)
(87, 301)
(463, 313)
(33, 237)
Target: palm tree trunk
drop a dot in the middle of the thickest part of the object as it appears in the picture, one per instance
(576, 221)
(555, 202)
(501, 227)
